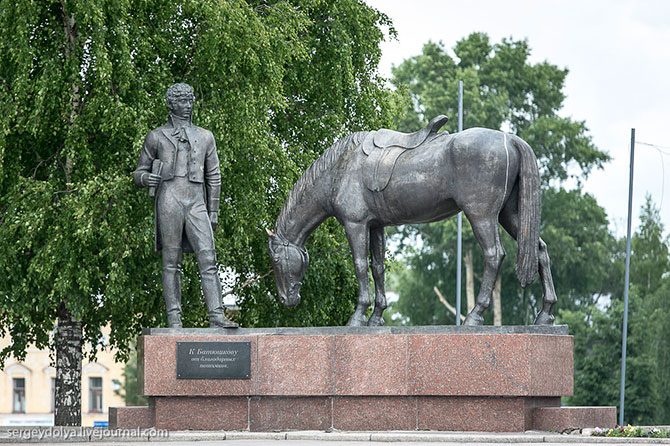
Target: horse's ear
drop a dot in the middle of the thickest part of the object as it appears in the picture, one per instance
(270, 233)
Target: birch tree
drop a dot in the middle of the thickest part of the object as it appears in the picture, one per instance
(82, 82)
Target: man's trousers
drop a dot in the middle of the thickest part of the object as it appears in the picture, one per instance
(181, 210)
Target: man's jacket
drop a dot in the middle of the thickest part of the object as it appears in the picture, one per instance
(203, 161)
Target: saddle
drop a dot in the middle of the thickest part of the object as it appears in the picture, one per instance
(384, 146)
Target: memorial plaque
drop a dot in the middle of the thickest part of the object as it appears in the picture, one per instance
(213, 360)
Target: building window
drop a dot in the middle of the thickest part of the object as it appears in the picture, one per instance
(95, 394)
(53, 395)
(19, 395)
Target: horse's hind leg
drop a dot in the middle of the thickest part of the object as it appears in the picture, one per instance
(358, 235)
(549, 298)
(377, 248)
(509, 219)
(486, 232)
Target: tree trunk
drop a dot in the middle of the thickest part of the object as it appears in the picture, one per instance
(497, 303)
(469, 279)
(68, 370)
(71, 34)
(67, 410)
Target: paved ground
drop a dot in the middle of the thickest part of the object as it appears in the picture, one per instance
(339, 443)
(37, 436)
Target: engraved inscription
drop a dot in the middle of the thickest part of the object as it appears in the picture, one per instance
(213, 360)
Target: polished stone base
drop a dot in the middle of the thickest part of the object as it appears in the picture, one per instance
(132, 417)
(346, 413)
(493, 379)
(570, 418)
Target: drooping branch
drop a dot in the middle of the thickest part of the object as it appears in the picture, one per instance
(250, 281)
(444, 302)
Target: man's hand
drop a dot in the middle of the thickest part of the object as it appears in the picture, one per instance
(214, 219)
(151, 180)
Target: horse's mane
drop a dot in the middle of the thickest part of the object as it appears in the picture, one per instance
(313, 172)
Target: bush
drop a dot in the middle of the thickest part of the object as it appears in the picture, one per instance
(631, 431)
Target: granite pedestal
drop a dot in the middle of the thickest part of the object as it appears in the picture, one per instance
(492, 379)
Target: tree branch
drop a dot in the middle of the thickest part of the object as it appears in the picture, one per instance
(250, 281)
(444, 302)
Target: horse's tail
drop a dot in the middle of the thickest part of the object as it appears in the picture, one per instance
(528, 236)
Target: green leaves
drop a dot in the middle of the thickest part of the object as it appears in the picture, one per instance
(597, 325)
(561, 145)
(276, 82)
(583, 251)
(502, 89)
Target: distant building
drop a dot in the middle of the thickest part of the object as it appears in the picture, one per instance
(27, 388)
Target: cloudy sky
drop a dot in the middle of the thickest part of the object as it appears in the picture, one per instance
(618, 54)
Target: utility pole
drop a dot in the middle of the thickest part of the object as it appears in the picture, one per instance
(459, 219)
(624, 331)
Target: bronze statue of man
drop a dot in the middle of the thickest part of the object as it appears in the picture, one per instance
(180, 166)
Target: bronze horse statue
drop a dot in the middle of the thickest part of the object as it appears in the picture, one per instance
(369, 180)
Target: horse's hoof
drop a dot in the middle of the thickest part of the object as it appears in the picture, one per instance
(376, 321)
(473, 319)
(544, 318)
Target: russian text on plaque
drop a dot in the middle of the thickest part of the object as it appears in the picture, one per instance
(213, 360)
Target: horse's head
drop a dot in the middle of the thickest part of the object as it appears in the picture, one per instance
(289, 262)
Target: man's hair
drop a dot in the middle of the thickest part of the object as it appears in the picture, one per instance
(178, 90)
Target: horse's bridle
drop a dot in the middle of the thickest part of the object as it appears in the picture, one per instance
(284, 265)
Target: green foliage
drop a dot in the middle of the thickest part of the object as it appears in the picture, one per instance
(129, 390)
(581, 246)
(658, 433)
(334, 91)
(631, 431)
(275, 81)
(597, 355)
(597, 331)
(628, 431)
(428, 262)
(652, 259)
(648, 374)
(575, 228)
(502, 89)
(658, 347)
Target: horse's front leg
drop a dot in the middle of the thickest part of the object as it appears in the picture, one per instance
(358, 235)
(377, 248)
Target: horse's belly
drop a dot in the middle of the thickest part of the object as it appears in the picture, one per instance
(414, 202)
(418, 190)
(441, 211)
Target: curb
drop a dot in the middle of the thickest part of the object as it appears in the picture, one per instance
(102, 436)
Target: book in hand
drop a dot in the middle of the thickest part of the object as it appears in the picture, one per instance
(156, 168)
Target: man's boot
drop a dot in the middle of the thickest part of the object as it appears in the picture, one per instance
(172, 285)
(211, 290)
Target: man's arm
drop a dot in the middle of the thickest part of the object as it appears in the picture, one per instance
(212, 181)
(142, 175)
